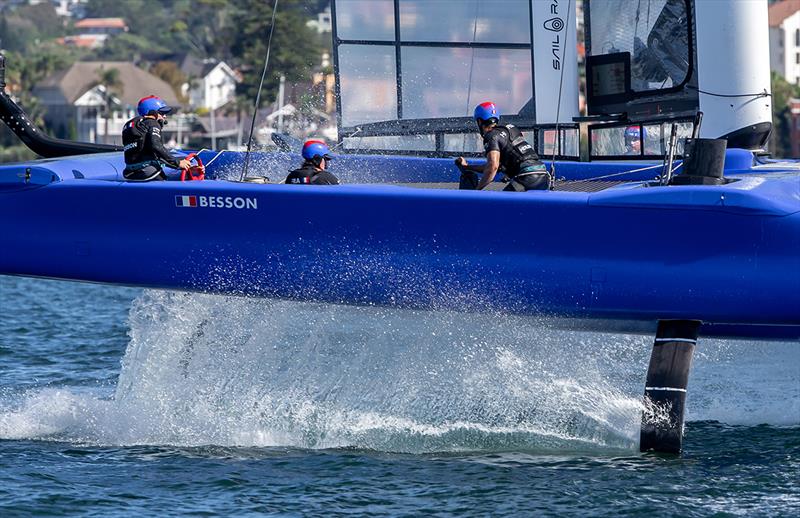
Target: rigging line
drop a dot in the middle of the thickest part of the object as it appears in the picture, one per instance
(353, 134)
(471, 67)
(621, 173)
(560, 88)
(258, 94)
(760, 94)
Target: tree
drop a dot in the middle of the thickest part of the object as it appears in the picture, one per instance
(112, 88)
(174, 76)
(295, 52)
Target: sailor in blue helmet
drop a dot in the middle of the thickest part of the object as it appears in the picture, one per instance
(316, 156)
(507, 150)
(633, 140)
(144, 150)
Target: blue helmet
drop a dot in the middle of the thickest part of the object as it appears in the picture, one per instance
(486, 112)
(316, 148)
(632, 133)
(150, 104)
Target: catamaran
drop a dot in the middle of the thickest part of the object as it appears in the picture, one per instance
(694, 232)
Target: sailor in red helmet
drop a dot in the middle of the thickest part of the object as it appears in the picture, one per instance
(144, 150)
(507, 150)
(316, 156)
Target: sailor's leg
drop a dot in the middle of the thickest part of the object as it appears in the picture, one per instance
(533, 182)
(665, 389)
(145, 174)
(514, 186)
(469, 180)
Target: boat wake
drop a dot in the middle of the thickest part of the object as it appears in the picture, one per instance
(203, 369)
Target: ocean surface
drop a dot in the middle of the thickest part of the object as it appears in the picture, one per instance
(119, 402)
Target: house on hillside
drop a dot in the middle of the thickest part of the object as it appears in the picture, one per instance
(784, 39)
(75, 101)
(93, 32)
(323, 22)
(70, 8)
(212, 83)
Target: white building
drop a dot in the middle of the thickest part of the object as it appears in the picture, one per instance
(323, 22)
(75, 101)
(212, 84)
(784, 39)
(70, 8)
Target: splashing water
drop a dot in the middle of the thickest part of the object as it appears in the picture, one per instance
(205, 369)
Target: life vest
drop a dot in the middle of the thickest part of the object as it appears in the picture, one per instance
(301, 176)
(516, 152)
(134, 134)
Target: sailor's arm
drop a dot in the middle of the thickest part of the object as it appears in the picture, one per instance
(462, 164)
(490, 169)
(162, 152)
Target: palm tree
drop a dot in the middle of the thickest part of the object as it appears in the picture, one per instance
(109, 79)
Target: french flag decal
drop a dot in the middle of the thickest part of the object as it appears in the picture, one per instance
(186, 201)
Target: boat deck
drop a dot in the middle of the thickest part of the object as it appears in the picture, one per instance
(568, 186)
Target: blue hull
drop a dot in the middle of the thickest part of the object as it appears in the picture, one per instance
(621, 259)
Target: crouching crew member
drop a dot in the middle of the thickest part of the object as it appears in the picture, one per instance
(316, 156)
(144, 150)
(507, 150)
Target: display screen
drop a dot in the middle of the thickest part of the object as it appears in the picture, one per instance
(609, 79)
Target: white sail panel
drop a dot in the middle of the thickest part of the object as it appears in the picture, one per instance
(482, 21)
(449, 82)
(365, 20)
(368, 84)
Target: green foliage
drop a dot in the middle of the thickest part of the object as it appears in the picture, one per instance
(171, 74)
(16, 153)
(128, 47)
(26, 25)
(295, 51)
(232, 30)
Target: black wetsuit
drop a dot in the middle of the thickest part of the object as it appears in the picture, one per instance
(309, 174)
(518, 161)
(144, 150)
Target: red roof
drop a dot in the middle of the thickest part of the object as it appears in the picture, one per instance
(779, 11)
(83, 41)
(101, 23)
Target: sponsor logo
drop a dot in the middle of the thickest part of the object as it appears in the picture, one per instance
(555, 24)
(217, 202)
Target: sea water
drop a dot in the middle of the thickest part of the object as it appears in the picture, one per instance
(119, 401)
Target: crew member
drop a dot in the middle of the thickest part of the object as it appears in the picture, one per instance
(144, 150)
(505, 149)
(633, 140)
(316, 156)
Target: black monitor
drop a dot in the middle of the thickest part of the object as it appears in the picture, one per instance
(608, 81)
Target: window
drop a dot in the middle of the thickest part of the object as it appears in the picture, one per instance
(448, 82)
(368, 83)
(616, 141)
(656, 34)
(498, 21)
(365, 20)
(797, 38)
(409, 64)
(797, 58)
